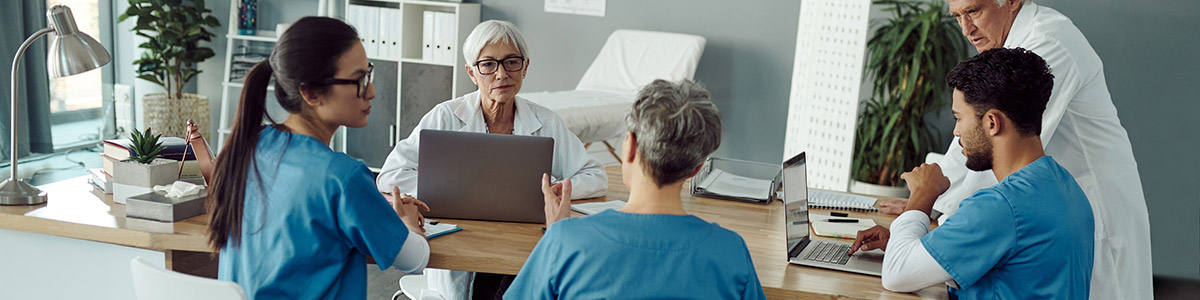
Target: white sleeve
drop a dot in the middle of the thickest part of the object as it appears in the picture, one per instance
(571, 160)
(413, 256)
(907, 266)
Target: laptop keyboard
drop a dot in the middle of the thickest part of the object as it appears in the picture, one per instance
(834, 253)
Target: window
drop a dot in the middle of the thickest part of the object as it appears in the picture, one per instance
(76, 101)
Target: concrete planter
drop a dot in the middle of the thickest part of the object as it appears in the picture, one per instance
(168, 117)
(159, 172)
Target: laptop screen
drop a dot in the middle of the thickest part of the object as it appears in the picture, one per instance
(795, 200)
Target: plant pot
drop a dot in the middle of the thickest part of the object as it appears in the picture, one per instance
(864, 188)
(168, 117)
(159, 172)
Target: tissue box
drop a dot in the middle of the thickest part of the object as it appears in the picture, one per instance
(158, 207)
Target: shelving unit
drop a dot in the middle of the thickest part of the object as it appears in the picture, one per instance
(406, 87)
(418, 84)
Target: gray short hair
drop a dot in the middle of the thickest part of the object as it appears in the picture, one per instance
(676, 126)
(1003, 2)
(493, 31)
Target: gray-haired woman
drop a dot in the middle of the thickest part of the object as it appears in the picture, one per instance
(652, 248)
(498, 60)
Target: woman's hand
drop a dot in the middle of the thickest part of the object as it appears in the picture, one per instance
(558, 199)
(406, 207)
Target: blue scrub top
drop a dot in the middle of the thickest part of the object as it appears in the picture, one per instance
(312, 217)
(1028, 237)
(616, 255)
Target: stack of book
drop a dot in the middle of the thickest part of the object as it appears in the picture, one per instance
(118, 150)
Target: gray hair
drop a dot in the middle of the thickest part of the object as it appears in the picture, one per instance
(489, 32)
(1003, 2)
(676, 126)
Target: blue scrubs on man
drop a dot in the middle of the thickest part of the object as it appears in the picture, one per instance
(1028, 237)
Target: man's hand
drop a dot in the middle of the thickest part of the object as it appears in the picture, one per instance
(558, 199)
(926, 183)
(406, 207)
(892, 207)
(871, 239)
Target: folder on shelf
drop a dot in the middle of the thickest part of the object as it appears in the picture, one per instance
(435, 20)
(382, 36)
(394, 28)
(446, 29)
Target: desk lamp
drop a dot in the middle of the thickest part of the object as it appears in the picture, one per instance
(71, 52)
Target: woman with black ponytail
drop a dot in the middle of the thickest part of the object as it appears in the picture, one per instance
(291, 218)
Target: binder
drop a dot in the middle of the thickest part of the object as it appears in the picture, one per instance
(396, 28)
(427, 36)
(448, 42)
(371, 23)
(437, 37)
(384, 49)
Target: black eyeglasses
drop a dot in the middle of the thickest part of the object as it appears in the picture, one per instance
(361, 82)
(490, 66)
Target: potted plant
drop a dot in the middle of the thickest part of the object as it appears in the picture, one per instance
(175, 29)
(908, 58)
(145, 169)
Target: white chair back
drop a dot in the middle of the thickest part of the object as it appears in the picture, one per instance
(631, 59)
(153, 283)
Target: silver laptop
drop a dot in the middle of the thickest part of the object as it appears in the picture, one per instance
(808, 250)
(479, 176)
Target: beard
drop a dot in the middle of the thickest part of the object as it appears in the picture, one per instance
(979, 158)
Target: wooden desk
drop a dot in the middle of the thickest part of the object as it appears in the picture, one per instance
(497, 247)
(79, 239)
(77, 210)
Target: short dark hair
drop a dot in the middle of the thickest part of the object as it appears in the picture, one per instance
(1016, 82)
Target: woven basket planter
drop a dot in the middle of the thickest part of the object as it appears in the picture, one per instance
(168, 117)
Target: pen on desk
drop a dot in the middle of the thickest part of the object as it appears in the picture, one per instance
(838, 214)
(841, 220)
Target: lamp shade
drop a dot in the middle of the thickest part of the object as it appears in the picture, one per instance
(71, 51)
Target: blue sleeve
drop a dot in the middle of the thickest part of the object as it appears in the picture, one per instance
(366, 220)
(979, 236)
(538, 278)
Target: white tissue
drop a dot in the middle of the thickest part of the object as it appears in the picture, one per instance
(179, 189)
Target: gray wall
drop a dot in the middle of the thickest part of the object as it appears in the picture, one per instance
(747, 62)
(1153, 73)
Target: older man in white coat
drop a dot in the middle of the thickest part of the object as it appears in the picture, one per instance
(1080, 129)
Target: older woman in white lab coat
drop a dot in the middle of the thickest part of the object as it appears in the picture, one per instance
(497, 63)
(1080, 129)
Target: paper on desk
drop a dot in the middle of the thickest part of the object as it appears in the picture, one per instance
(597, 207)
(723, 183)
(839, 230)
(439, 229)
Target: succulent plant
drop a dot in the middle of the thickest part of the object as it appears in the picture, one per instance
(145, 146)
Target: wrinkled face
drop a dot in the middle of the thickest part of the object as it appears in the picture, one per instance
(984, 23)
(502, 85)
(971, 135)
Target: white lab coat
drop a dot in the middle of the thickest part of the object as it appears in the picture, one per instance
(571, 160)
(1080, 129)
